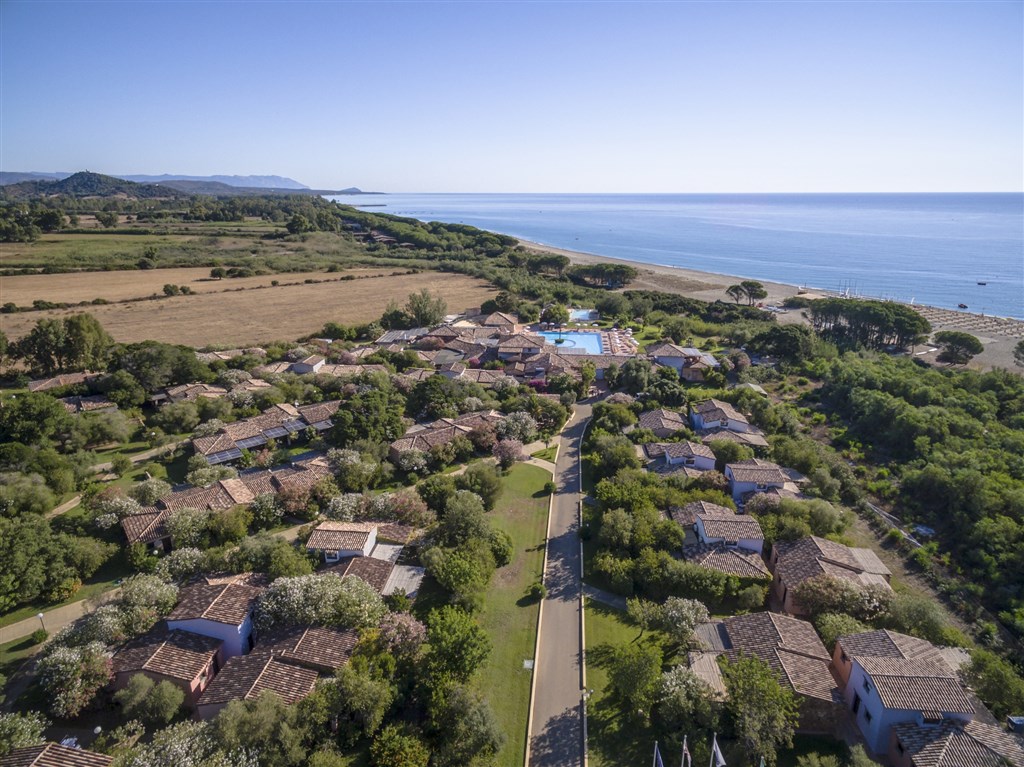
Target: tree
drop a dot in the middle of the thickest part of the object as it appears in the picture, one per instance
(187, 527)
(396, 746)
(996, 681)
(684, 702)
(1018, 353)
(319, 600)
(19, 730)
(106, 218)
(634, 671)
(519, 425)
(467, 730)
(457, 645)
(831, 626)
(753, 290)
(765, 713)
(31, 418)
(155, 704)
(958, 348)
(644, 613)
(265, 726)
(555, 314)
(508, 452)
(682, 616)
(363, 699)
(71, 676)
(425, 309)
(150, 491)
(483, 480)
(463, 520)
(464, 571)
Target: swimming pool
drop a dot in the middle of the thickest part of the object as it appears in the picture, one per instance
(589, 343)
(583, 315)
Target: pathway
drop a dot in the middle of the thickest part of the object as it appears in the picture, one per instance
(557, 722)
(57, 618)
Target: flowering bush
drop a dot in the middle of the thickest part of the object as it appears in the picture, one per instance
(188, 744)
(187, 526)
(149, 492)
(320, 600)
(402, 633)
(106, 625)
(411, 460)
(181, 564)
(71, 676)
(507, 452)
(344, 507)
(18, 730)
(266, 511)
(518, 425)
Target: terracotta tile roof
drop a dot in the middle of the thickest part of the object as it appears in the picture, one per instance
(146, 527)
(661, 419)
(176, 654)
(216, 497)
(67, 379)
(687, 515)
(374, 571)
(718, 434)
(192, 391)
(678, 450)
(716, 410)
(731, 526)
(246, 676)
(520, 341)
(259, 481)
(392, 531)
(757, 471)
(499, 319)
(87, 404)
(321, 411)
(917, 685)
(884, 643)
(481, 376)
(810, 557)
(54, 755)
(228, 603)
(954, 743)
(789, 646)
(337, 536)
(743, 564)
(323, 649)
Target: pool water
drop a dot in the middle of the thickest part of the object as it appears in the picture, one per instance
(581, 315)
(589, 343)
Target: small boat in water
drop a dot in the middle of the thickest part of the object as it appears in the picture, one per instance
(962, 306)
(981, 282)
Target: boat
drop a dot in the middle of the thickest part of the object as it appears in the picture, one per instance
(962, 306)
(981, 282)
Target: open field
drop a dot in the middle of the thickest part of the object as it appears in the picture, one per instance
(112, 286)
(262, 314)
(508, 616)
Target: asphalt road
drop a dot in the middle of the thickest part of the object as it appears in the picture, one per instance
(557, 731)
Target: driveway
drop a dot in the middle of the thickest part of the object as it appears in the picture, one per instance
(557, 724)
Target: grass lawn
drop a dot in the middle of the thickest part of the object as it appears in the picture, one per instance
(613, 740)
(510, 618)
(547, 454)
(103, 580)
(13, 654)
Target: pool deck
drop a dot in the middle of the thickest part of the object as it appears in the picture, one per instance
(616, 342)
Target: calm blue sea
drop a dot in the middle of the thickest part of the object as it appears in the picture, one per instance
(928, 248)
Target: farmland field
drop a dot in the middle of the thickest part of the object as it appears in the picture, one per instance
(262, 314)
(77, 287)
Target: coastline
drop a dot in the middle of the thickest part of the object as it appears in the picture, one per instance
(998, 334)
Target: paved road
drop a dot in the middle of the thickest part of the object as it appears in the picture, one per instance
(57, 618)
(557, 726)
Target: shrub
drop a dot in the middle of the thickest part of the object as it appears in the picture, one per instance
(39, 636)
(538, 591)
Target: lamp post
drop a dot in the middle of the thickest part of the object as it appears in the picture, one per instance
(40, 617)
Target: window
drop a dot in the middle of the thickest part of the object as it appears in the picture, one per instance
(867, 686)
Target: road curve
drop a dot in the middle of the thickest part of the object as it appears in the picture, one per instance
(557, 724)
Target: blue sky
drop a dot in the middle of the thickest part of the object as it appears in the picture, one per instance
(525, 96)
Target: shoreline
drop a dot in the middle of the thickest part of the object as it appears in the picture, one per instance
(998, 334)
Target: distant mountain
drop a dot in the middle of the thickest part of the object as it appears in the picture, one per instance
(86, 184)
(247, 182)
(12, 177)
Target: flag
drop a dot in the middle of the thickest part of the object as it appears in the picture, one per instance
(657, 756)
(687, 759)
(717, 760)
(762, 762)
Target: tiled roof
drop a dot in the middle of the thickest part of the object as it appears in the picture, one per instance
(228, 603)
(337, 536)
(757, 471)
(374, 571)
(687, 515)
(520, 341)
(499, 319)
(145, 527)
(193, 391)
(917, 685)
(716, 410)
(176, 654)
(884, 643)
(87, 404)
(67, 379)
(954, 743)
(731, 526)
(678, 450)
(789, 646)
(54, 755)
(718, 434)
(810, 557)
(246, 676)
(321, 648)
(726, 559)
(661, 419)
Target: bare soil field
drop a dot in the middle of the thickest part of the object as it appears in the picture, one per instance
(73, 288)
(261, 315)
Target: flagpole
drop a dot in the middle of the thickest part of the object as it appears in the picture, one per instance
(682, 759)
(714, 745)
(654, 756)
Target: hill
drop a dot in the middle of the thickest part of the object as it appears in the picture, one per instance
(245, 182)
(87, 184)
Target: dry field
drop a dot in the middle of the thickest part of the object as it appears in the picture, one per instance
(262, 314)
(73, 288)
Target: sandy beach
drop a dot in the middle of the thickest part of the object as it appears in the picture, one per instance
(998, 334)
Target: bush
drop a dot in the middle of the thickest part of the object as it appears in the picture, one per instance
(550, 487)
(121, 465)
(39, 636)
(538, 591)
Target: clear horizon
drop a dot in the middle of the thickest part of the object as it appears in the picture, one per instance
(529, 98)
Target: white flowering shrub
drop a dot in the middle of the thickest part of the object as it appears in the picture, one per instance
(208, 428)
(145, 599)
(402, 633)
(518, 425)
(345, 507)
(150, 491)
(682, 616)
(188, 744)
(181, 564)
(241, 398)
(118, 505)
(71, 676)
(106, 624)
(266, 511)
(471, 405)
(187, 526)
(106, 521)
(411, 460)
(505, 383)
(18, 730)
(320, 600)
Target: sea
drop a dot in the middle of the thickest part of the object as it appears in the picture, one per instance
(937, 249)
